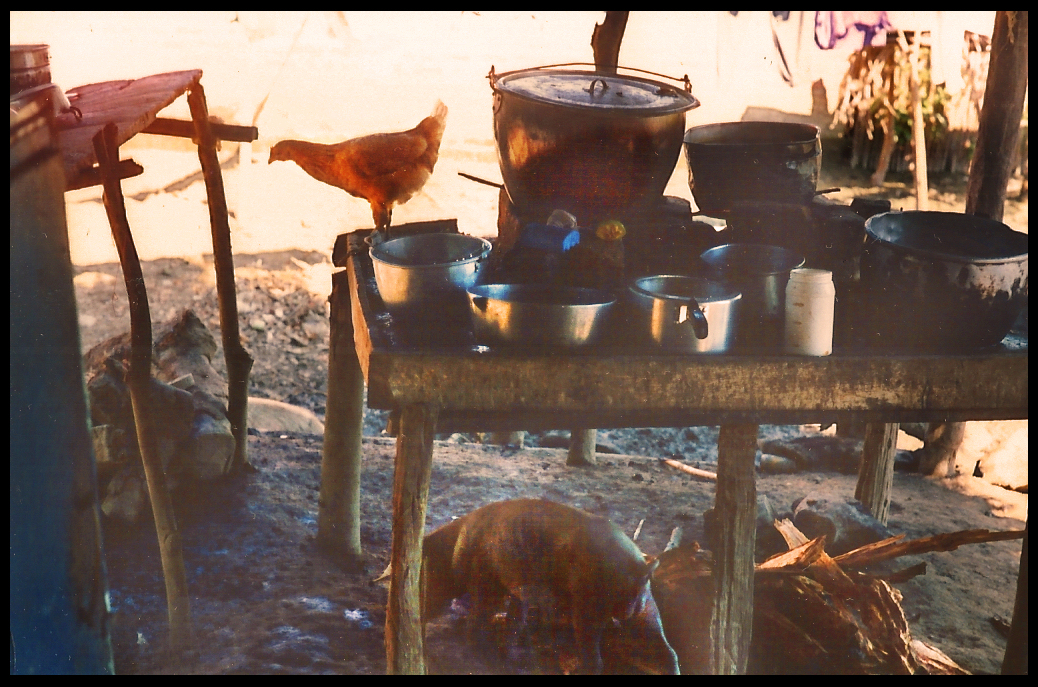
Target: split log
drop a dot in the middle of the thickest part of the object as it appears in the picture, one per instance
(895, 547)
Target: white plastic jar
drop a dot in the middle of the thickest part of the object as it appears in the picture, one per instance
(810, 304)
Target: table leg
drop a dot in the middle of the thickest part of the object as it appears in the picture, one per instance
(731, 624)
(582, 447)
(876, 474)
(239, 362)
(405, 652)
(338, 514)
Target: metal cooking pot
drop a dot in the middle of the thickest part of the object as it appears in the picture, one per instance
(684, 314)
(416, 270)
(588, 142)
(760, 274)
(540, 315)
(941, 281)
(752, 161)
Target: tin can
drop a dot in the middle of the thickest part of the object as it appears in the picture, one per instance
(810, 304)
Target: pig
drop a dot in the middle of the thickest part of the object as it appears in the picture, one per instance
(511, 551)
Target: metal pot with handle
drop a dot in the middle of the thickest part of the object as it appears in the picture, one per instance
(588, 142)
(683, 314)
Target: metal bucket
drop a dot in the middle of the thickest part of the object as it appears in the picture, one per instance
(413, 271)
(760, 273)
(30, 67)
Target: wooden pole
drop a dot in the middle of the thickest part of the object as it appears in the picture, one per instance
(918, 127)
(405, 652)
(1015, 660)
(338, 514)
(997, 138)
(582, 447)
(605, 41)
(999, 131)
(139, 383)
(239, 362)
(731, 624)
(876, 472)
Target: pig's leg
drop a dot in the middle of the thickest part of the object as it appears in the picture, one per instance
(587, 634)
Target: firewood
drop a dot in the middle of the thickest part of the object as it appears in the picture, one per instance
(678, 465)
(895, 547)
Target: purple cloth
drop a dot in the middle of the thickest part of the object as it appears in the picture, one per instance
(850, 30)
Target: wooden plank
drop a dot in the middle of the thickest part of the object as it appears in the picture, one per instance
(882, 386)
(124, 169)
(163, 126)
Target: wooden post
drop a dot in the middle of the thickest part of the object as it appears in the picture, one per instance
(239, 362)
(731, 624)
(605, 41)
(1015, 660)
(139, 383)
(997, 138)
(876, 472)
(999, 131)
(405, 644)
(582, 447)
(338, 515)
(918, 127)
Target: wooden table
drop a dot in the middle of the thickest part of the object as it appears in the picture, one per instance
(131, 106)
(444, 382)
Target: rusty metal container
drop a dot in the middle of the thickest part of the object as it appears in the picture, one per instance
(591, 143)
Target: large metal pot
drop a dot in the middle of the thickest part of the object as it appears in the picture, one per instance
(539, 315)
(752, 161)
(760, 273)
(941, 281)
(683, 314)
(588, 142)
(413, 271)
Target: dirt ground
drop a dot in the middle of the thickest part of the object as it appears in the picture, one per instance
(264, 600)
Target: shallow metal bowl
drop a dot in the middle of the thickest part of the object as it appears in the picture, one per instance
(532, 314)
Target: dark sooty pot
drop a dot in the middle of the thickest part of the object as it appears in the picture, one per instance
(941, 281)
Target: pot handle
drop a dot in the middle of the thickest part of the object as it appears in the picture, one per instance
(691, 309)
(684, 80)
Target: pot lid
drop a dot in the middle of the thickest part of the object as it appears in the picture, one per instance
(596, 91)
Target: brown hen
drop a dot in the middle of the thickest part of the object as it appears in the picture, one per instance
(383, 169)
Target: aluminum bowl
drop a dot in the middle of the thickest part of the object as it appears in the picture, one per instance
(539, 315)
(415, 270)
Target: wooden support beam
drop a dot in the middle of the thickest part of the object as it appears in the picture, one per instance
(405, 643)
(731, 624)
(124, 169)
(338, 515)
(164, 126)
(582, 447)
(999, 130)
(876, 471)
(605, 41)
(139, 383)
(239, 362)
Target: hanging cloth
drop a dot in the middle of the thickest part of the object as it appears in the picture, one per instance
(850, 30)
